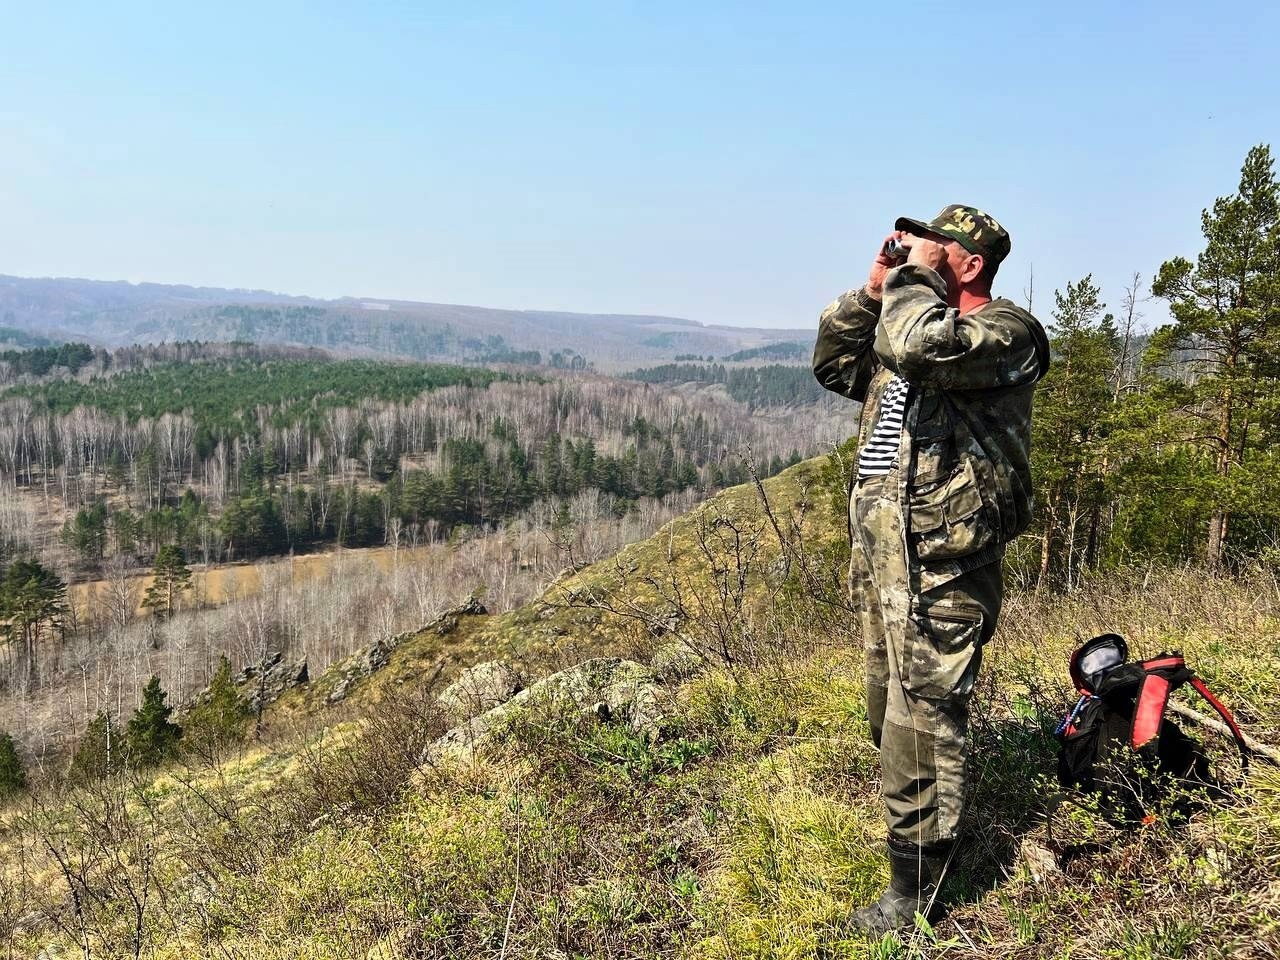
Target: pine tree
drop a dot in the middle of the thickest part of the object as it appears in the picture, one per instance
(171, 577)
(1072, 411)
(150, 735)
(1226, 311)
(12, 777)
(32, 599)
(219, 716)
(99, 751)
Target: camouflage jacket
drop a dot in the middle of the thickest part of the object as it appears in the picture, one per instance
(965, 481)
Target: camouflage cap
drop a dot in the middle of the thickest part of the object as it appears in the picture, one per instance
(974, 230)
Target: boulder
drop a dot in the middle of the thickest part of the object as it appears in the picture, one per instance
(480, 688)
(362, 664)
(676, 661)
(610, 688)
(267, 682)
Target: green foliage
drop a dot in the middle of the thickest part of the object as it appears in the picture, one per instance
(1180, 458)
(151, 736)
(12, 777)
(171, 578)
(1074, 406)
(12, 336)
(1226, 310)
(222, 394)
(783, 350)
(252, 526)
(39, 360)
(767, 386)
(33, 600)
(99, 752)
(219, 716)
(86, 533)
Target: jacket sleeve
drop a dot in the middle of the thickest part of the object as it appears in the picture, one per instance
(843, 360)
(931, 344)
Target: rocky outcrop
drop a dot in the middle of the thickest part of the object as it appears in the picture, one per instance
(377, 655)
(267, 682)
(363, 664)
(480, 688)
(610, 688)
(448, 621)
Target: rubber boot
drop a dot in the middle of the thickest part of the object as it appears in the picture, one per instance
(915, 874)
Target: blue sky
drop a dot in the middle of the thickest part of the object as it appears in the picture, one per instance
(730, 163)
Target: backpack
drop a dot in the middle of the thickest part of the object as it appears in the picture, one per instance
(1117, 742)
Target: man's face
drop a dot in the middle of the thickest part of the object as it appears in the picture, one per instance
(961, 266)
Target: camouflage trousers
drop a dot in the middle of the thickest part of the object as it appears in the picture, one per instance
(924, 627)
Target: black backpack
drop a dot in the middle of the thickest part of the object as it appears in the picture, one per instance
(1117, 742)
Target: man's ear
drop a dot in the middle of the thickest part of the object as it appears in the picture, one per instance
(972, 269)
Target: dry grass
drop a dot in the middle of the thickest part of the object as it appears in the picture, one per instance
(748, 830)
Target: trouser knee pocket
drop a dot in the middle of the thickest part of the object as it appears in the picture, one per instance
(943, 649)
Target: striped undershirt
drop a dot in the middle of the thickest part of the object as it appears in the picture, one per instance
(881, 451)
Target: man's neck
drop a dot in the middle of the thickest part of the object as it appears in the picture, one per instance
(968, 301)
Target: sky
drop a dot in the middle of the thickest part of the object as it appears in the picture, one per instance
(730, 163)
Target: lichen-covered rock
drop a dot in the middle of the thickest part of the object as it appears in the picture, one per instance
(480, 688)
(267, 682)
(448, 621)
(363, 664)
(610, 688)
(471, 607)
(1041, 863)
(676, 661)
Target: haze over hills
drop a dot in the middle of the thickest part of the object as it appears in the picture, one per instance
(114, 313)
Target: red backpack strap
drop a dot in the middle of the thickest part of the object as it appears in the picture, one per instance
(1160, 675)
(1202, 689)
(1148, 711)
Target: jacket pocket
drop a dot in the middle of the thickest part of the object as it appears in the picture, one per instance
(943, 652)
(950, 520)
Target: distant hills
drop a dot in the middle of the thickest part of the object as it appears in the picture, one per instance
(115, 313)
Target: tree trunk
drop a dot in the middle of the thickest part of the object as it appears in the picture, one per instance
(1045, 550)
(1218, 520)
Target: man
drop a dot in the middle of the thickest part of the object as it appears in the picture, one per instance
(945, 375)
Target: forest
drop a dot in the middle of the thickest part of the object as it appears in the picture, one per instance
(142, 460)
(241, 456)
(757, 386)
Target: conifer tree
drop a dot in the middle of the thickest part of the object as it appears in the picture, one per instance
(32, 600)
(12, 777)
(151, 736)
(1225, 336)
(172, 577)
(1072, 409)
(220, 715)
(99, 751)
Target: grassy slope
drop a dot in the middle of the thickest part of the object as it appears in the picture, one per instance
(747, 831)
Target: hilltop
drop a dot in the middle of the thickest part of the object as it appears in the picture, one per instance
(115, 313)
(687, 774)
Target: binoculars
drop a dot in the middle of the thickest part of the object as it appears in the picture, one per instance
(896, 249)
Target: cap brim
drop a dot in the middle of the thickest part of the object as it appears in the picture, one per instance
(920, 228)
(917, 227)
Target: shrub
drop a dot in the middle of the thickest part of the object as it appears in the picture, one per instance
(12, 777)
(99, 751)
(219, 716)
(151, 735)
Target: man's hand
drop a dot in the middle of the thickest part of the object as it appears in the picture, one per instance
(927, 253)
(882, 264)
